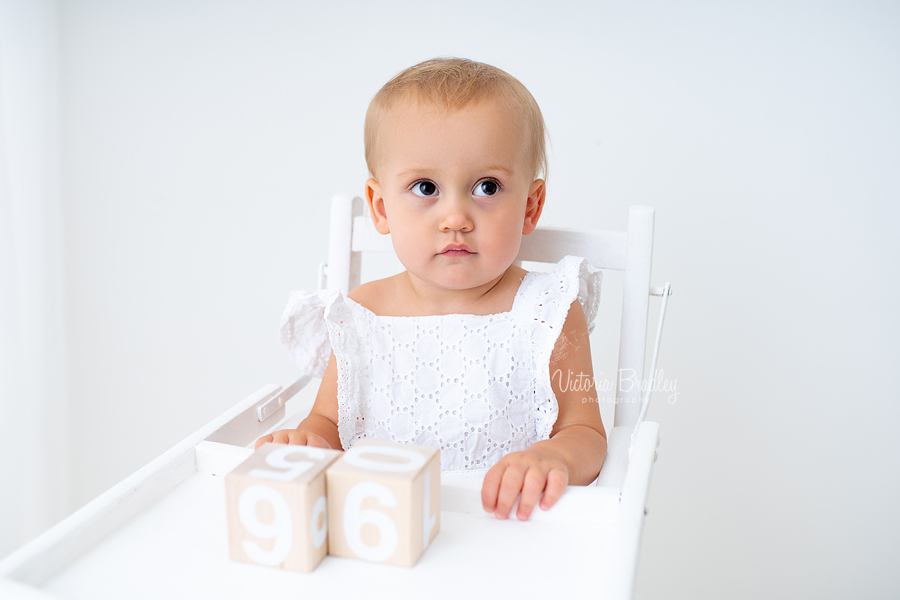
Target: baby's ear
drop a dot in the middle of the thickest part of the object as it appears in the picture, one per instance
(534, 206)
(376, 206)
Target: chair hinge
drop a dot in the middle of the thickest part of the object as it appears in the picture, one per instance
(268, 408)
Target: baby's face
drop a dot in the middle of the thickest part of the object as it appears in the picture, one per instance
(454, 191)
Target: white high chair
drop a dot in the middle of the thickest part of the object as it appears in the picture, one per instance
(161, 533)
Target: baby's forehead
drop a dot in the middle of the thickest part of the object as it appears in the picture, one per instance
(491, 124)
(435, 111)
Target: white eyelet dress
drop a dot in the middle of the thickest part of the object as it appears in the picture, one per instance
(476, 386)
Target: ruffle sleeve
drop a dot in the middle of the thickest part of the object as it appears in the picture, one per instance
(550, 299)
(314, 324)
(303, 331)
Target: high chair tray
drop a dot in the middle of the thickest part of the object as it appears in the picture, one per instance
(162, 533)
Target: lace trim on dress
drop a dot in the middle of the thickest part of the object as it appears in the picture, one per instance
(550, 297)
(342, 331)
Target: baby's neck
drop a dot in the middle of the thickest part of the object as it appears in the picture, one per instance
(405, 295)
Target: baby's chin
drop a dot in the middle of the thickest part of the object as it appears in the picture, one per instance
(462, 281)
(454, 273)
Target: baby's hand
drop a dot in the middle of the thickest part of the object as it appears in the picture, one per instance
(530, 472)
(297, 437)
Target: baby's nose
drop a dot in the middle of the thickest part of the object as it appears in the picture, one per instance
(456, 216)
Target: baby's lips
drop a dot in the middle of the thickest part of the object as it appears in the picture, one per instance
(454, 248)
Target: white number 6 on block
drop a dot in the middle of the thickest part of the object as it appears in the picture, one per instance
(355, 517)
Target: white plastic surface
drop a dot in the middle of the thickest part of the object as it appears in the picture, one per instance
(184, 536)
(175, 544)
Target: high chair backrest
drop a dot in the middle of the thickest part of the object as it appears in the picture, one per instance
(352, 233)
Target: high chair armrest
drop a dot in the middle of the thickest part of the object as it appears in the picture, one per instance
(626, 540)
(614, 468)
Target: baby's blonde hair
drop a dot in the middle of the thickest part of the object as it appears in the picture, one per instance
(452, 84)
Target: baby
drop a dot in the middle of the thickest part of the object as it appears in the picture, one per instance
(464, 350)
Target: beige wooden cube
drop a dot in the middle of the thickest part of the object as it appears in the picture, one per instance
(277, 511)
(384, 502)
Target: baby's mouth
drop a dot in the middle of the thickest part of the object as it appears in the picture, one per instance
(456, 250)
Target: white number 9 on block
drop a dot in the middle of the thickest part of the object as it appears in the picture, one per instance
(281, 527)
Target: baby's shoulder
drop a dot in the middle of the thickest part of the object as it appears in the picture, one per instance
(372, 294)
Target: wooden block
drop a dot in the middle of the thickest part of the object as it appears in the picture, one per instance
(277, 511)
(384, 502)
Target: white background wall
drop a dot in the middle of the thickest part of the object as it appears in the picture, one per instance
(202, 140)
(33, 396)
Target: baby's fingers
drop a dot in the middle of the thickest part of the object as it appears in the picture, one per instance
(293, 436)
(513, 477)
(263, 440)
(556, 484)
(282, 436)
(315, 440)
(490, 488)
(531, 491)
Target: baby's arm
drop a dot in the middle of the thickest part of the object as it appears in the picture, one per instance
(320, 427)
(577, 445)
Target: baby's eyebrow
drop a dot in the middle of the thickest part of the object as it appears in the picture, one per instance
(414, 173)
(500, 168)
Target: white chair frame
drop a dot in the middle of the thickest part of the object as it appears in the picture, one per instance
(129, 522)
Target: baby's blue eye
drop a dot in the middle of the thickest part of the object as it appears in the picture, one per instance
(488, 187)
(425, 189)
